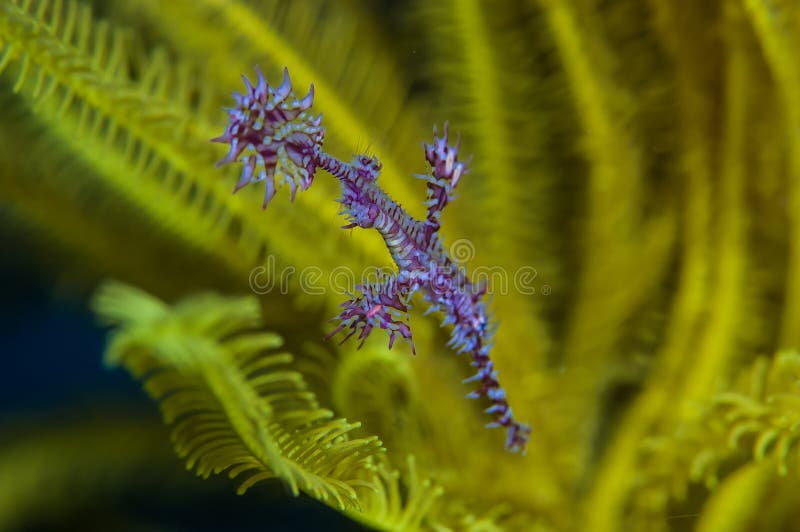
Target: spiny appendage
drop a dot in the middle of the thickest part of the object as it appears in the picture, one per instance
(382, 304)
(517, 433)
(463, 304)
(273, 133)
(446, 172)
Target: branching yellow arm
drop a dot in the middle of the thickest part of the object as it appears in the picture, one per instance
(230, 400)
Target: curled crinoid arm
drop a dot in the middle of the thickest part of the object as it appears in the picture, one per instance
(446, 172)
(273, 134)
(383, 304)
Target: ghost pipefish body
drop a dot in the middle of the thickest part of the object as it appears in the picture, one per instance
(274, 135)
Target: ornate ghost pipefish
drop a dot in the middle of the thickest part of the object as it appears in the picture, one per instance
(274, 135)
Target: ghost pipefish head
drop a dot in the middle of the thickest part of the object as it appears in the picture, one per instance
(273, 133)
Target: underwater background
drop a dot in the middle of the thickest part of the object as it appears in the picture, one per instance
(56, 398)
(632, 201)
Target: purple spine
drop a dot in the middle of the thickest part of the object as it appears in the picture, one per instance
(274, 135)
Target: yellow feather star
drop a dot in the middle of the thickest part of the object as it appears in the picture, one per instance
(635, 205)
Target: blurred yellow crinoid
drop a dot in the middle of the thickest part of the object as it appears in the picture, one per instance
(632, 204)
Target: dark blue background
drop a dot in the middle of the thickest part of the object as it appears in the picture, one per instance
(52, 366)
